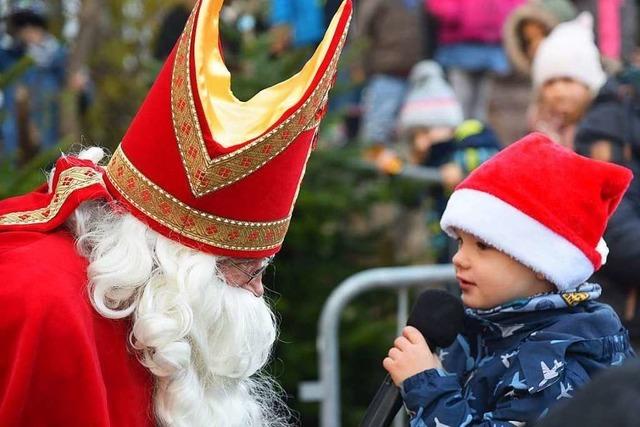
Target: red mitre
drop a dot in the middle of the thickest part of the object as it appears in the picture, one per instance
(212, 172)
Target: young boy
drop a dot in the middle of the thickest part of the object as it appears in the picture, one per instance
(429, 116)
(432, 122)
(528, 223)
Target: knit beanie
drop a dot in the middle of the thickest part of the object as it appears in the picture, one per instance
(543, 205)
(430, 101)
(570, 51)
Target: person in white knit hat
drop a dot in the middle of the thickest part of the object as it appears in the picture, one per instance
(431, 112)
(567, 75)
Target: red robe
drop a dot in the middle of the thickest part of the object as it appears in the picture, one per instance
(62, 364)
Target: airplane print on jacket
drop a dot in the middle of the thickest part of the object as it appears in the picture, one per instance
(513, 363)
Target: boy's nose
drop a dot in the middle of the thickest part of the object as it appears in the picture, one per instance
(459, 260)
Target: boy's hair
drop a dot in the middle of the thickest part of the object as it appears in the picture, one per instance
(27, 13)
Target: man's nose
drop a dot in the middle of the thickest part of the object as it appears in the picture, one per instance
(255, 287)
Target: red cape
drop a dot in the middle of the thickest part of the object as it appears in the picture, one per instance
(62, 364)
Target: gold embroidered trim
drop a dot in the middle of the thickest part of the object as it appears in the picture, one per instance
(70, 180)
(196, 225)
(574, 298)
(206, 175)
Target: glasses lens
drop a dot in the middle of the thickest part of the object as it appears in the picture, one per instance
(245, 267)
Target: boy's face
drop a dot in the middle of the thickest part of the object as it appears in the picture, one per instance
(564, 100)
(31, 35)
(489, 278)
(424, 138)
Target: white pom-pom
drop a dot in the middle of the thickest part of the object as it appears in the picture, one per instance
(95, 154)
(603, 250)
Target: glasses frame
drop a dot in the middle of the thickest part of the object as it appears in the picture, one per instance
(251, 276)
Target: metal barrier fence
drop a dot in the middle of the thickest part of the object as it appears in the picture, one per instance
(327, 389)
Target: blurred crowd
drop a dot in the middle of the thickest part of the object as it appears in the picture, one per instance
(583, 91)
(447, 83)
(33, 75)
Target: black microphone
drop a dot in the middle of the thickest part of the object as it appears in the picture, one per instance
(439, 316)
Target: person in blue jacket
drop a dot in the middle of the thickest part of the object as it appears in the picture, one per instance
(30, 100)
(529, 225)
(296, 23)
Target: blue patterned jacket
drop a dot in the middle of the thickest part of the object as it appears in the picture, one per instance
(516, 361)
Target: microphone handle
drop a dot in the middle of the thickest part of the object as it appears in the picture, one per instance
(387, 402)
(384, 406)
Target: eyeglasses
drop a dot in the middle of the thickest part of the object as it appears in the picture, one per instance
(266, 263)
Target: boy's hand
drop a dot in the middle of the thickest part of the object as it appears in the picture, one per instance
(385, 159)
(410, 355)
(389, 162)
(452, 175)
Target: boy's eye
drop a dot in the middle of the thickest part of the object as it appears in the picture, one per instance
(459, 241)
(482, 246)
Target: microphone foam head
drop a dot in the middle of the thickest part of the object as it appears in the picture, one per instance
(439, 316)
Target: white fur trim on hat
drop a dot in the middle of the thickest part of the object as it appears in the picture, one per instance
(518, 235)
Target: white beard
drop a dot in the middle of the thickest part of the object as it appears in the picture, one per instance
(204, 340)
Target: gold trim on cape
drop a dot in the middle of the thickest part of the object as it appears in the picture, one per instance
(206, 175)
(69, 181)
(200, 226)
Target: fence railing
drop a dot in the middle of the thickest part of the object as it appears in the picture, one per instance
(327, 389)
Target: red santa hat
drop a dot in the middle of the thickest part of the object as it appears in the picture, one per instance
(543, 205)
